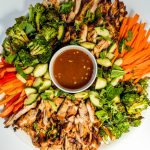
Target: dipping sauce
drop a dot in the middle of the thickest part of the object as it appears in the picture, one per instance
(73, 69)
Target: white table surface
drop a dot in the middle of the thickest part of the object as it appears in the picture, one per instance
(136, 139)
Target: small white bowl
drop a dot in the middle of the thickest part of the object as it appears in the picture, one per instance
(62, 50)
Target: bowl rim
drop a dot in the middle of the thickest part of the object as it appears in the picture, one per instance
(67, 48)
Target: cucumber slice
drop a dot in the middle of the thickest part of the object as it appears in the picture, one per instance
(88, 45)
(82, 95)
(104, 62)
(51, 93)
(94, 98)
(31, 99)
(116, 99)
(102, 32)
(38, 82)
(118, 62)
(45, 86)
(19, 77)
(30, 90)
(100, 83)
(110, 56)
(60, 32)
(112, 48)
(28, 70)
(47, 75)
(115, 81)
(40, 70)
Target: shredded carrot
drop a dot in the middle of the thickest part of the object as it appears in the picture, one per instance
(136, 62)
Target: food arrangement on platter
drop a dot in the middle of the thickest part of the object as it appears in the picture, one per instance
(55, 119)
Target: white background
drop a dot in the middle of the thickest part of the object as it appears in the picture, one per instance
(136, 139)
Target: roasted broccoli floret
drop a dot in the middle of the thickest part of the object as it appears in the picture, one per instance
(31, 14)
(40, 48)
(7, 46)
(49, 33)
(38, 9)
(26, 59)
(17, 32)
(129, 98)
(135, 103)
(52, 15)
(20, 19)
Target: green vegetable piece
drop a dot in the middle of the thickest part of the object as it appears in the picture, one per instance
(31, 99)
(47, 75)
(40, 70)
(20, 71)
(27, 27)
(17, 32)
(117, 73)
(31, 14)
(121, 46)
(19, 77)
(38, 82)
(54, 107)
(66, 7)
(10, 58)
(102, 32)
(39, 10)
(82, 95)
(94, 98)
(61, 31)
(88, 45)
(100, 83)
(104, 62)
(102, 115)
(49, 33)
(110, 56)
(112, 92)
(46, 84)
(130, 36)
(112, 48)
(30, 90)
(28, 70)
(118, 62)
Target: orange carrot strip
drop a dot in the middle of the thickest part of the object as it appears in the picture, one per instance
(15, 91)
(133, 21)
(20, 99)
(127, 77)
(7, 99)
(7, 111)
(12, 86)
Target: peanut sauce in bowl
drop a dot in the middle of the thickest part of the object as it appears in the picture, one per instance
(73, 69)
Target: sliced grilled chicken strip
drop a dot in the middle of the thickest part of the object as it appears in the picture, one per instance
(11, 120)
(28, 119)
(47, 113)
(83, 33)
(94, 7)
(90, 109)
(58, 101)
(75, 12)
(72, 111)
(100, 46)
(55, 147)
(84, 10)
(83, 112)
(77, 6)
(62, 112)
(92, 36)
(69, 145)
